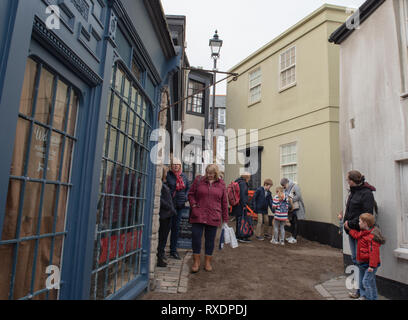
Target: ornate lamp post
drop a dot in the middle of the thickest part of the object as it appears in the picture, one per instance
(215, 44)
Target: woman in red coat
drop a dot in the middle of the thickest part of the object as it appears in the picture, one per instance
(209, 206)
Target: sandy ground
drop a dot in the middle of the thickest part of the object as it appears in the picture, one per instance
(262, 271)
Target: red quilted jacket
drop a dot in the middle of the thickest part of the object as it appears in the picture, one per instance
(209, 203)
(368, 250)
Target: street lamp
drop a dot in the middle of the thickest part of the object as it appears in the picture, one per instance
(215, 44)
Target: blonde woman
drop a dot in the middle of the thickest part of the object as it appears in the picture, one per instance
(209, 207)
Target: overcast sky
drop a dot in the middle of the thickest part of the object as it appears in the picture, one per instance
(243, 25)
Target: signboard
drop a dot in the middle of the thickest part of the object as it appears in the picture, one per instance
(185, 231)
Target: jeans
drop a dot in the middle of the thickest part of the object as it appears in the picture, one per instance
(279, 226)
(210, 234)
(353, 249)
(368, 286)
(175, 227)
(164, 230)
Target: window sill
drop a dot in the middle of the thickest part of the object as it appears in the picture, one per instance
(287, 87)
(254, 103)
(401, 253)
(195, 114)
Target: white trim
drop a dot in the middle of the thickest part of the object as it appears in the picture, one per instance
(401, 253)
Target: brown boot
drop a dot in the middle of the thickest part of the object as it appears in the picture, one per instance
(208, 266)
(196, 264)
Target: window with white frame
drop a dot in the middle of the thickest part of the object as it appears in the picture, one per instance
(255, 84)
(287, 68)
(221, 117)
(288, 161)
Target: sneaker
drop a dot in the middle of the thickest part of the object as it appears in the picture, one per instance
(362, 298)
(244, 240)
(260, 238)
(273, 241)
(292, 241)
(354, 295)
(282, 243)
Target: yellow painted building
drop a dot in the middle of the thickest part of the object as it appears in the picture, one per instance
(289, 91)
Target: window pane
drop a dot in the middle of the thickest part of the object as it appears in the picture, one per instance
(44, 99)
(27, 94)
(61, 102)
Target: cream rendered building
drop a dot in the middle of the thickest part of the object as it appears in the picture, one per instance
(289, 91)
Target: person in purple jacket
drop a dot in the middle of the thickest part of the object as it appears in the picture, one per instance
(209, 208)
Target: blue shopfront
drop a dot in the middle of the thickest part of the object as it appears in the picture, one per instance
(79, 97)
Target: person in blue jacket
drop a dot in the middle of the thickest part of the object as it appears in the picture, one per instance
(262, 201)
(179, 187)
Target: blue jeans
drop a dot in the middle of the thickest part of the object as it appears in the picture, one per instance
(368, 286)
(175, 227)
(210, 234)
(353, 249)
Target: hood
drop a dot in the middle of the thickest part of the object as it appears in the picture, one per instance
(378, 237)
(366, 185)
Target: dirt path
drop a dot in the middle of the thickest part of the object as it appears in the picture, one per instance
(262, 271)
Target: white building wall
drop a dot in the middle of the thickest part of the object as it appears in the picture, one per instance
(370, 97)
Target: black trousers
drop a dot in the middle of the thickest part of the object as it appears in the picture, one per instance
(294, 224)
(164, 230)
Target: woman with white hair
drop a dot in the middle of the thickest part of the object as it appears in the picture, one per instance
(179, 186)
(292, 190)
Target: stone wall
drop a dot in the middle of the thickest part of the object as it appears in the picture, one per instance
(158, 185)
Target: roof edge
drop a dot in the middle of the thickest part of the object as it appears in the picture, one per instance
(290, 30)
(363, 13)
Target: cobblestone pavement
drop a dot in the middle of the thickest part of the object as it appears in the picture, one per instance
(174, 278)
(335, 289)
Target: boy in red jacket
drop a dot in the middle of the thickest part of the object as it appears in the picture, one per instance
(370, 240)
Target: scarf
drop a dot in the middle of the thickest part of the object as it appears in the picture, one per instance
(180, 182)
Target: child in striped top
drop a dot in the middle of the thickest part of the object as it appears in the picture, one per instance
(281, 206)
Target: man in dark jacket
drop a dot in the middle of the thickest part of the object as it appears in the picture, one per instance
(239, 210)
(360, 201)
(262, 201)
(179, 186)
(167, 211)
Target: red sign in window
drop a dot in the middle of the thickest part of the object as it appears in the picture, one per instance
(133, 242)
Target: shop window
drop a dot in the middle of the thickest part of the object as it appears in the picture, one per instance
(34, 226)
(123, 181)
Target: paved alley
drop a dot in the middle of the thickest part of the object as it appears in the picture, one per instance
(257, 271)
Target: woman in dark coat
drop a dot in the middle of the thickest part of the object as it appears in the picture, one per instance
(167, 211)
(360, 200)
(241, 208)
(209, 207)
(179, 186)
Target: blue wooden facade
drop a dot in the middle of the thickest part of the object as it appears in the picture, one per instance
(78, 104)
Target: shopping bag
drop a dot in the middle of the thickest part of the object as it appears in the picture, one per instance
(233, 238)
(245, 227)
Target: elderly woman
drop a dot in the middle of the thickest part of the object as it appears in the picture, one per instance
(179, 185)
(292, 190)
(209, 207)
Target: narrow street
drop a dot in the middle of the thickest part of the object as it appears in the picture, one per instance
(259, 271)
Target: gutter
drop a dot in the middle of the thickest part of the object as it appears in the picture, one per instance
(363, 13)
